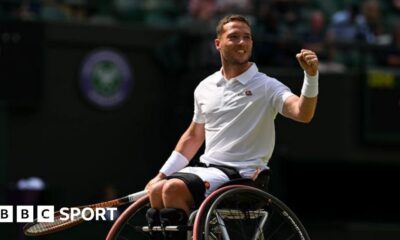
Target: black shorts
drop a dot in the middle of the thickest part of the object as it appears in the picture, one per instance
(195, 185)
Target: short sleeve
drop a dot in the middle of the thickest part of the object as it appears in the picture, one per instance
(285, 95)
(279, 92)
(198, 116)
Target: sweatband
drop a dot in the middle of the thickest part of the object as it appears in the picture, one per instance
(310, 85)
(174, 163)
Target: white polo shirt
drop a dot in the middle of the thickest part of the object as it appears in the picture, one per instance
(239, 118)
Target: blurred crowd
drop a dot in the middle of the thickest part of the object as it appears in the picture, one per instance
(280, 26)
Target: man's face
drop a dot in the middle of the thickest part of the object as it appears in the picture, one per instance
(235, 43)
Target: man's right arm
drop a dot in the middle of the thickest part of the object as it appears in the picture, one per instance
(187, 146)
(191, 140)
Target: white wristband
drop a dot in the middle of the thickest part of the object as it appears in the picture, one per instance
(310, 85)
(174, 163)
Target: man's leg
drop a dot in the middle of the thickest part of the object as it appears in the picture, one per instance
(171, 193)
(155, 194)
(175, 194)
(170, 201)
(182, 191)
(153, 213)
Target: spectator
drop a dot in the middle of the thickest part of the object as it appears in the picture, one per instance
(103, 13)
(396, 5)
(315, 38)
(393, 12)
(267, 21)
(289, 12)
(345, 24)
(203, 10)
(200, 16)
(28, 10)
(52, 10)
(372, 24)
(244, 7)
(199, 23)
(77, 10)
(268, 31)
(391, 56)
(366, 24)
(162, 13)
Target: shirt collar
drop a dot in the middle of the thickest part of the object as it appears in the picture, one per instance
(242, 78)
(248, 74)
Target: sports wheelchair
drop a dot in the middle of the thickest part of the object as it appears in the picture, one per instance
(240, 209)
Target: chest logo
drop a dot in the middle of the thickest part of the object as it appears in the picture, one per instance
(248, 93)
(245, 93)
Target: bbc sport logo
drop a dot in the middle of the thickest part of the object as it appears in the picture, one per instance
(45, 213)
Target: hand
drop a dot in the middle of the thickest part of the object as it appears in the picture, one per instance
(308, 61)
(159, 177)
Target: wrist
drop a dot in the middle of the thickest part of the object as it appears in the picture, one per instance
(311, 73)
(174, 163)
(310, 85)
(161, 175)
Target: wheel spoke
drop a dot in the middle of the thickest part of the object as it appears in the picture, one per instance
(250, 214)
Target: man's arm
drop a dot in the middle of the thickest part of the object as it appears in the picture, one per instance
(302, 108)
(187, 146)
(191, 140)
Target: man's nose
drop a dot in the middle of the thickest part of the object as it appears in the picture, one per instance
(242, 40)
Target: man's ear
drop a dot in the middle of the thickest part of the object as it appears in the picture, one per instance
(217, 43)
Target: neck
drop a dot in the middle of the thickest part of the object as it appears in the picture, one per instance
(230, 71)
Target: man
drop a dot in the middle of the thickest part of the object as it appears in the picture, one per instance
(234, 114)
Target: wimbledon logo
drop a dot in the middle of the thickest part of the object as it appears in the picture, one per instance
(106, 78)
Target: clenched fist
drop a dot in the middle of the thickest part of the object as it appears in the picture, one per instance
(308, 61)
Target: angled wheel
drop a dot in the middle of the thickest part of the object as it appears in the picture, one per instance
(125, 227)
(242, 212)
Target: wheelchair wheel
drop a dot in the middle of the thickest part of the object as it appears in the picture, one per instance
(125, 226)
(242, 212)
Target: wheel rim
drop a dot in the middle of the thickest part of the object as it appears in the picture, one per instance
(128, 229)
(242, 213)
(125, 226)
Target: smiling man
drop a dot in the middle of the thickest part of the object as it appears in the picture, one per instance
(234, 114)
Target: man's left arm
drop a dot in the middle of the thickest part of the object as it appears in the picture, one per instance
(302, 108)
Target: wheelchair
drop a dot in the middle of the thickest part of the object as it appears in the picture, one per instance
(241, 209)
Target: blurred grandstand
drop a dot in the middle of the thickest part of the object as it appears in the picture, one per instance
(280, 26)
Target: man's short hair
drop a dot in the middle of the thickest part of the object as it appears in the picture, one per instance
(228, 19)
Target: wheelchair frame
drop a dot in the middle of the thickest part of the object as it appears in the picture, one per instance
(274, 220)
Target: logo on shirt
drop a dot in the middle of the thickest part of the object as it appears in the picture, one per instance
(246, 93)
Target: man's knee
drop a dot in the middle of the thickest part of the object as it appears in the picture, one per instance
(174, 188)
(155, 190)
